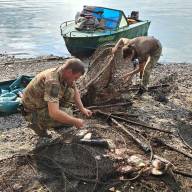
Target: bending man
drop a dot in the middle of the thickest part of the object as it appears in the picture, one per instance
(143, 50)
(47, 100)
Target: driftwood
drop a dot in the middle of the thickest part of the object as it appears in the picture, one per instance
(178, 150)
(149, 88)
(183, 173)
(109, 106)
(185, 132)
(160, 142)
(143, 145)
(158, 86)
(162, 159)
(107, 115)
(124, 114)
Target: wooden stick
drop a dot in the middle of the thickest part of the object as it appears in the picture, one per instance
(107, 106)
(162, 159)
(178, 150)
(183, 173)
(157, 86)
(149, 88)
(110, 105)
(143, 145)
(124, 114)
(162, 143)
(132, 122)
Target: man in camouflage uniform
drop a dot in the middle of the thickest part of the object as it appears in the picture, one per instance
(144, 50)
(47, 99)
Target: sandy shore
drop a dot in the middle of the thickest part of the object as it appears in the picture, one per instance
(16, 138)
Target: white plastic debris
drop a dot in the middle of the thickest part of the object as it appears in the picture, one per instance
(87, 136)
(155, 171)
(82, 132)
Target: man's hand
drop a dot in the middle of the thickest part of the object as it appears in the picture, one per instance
(79, 123)
(121, 43)
(118, 45)
(86, 112)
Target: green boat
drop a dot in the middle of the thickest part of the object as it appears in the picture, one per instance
(115, 25)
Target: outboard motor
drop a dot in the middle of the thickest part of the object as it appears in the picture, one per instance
(135, 15)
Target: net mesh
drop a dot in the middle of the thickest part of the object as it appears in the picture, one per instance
(58, 166)
(103, 80)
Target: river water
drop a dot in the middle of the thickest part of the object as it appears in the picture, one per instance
(30, 28)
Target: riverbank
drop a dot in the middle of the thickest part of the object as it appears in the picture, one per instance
(168, 109)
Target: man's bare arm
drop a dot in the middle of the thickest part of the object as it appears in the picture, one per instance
(119, 44)
(77, 99)
(79, 104)
(63, 117)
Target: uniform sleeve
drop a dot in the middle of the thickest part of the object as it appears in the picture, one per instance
(52, 89)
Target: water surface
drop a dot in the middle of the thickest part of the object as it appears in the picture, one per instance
(30, 28)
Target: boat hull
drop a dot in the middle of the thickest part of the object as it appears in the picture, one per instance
(83, 46)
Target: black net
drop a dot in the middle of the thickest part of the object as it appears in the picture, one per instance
(56, 167)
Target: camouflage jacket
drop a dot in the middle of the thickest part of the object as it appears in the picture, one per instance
(46, 87)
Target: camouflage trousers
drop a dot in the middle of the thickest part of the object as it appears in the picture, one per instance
(40, 119)
(150, 64)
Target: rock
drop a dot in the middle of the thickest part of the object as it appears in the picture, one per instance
(161, 98)
(126, 169)
(137, 160)
(155, 171)
(159, 165)
(87, 136)
(17, 187)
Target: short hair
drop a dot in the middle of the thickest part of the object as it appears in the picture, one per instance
(76, 65)
(127, 51)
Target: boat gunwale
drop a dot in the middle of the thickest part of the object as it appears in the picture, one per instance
(106, 32)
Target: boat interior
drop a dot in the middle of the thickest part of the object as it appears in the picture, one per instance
(99, 18)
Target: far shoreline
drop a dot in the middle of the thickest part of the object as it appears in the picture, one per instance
(8, 56)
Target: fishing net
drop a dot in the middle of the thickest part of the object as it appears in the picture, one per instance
(103, 80)
(58, 166)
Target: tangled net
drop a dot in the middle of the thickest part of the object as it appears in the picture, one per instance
(103, 80)
(61, 167)
(56, 167)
